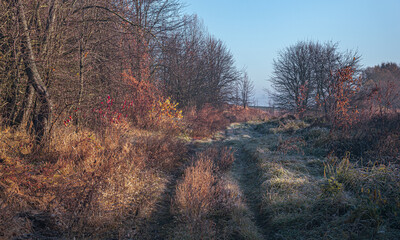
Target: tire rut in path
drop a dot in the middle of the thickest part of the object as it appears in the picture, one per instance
(162, 220)
(162, 217)
(248, 174)
(245, 170)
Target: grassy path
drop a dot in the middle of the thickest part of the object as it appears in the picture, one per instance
(247, 172)
(280, 187)
(275, 189)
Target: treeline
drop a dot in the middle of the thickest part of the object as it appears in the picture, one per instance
(196, 67)
(59, 57)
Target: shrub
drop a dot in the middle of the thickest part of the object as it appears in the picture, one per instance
(205, 121)
(160, 151)
(202, 202)
(343, 113)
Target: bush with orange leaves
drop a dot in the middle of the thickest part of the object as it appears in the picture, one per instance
(343, 113)
(150, 108)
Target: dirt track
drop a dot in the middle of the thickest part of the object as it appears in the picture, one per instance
(246, 170)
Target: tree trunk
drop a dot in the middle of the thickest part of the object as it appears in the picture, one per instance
(29, 98)
(46, 109)
(81, 79)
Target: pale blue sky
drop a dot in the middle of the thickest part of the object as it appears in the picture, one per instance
(256, 30)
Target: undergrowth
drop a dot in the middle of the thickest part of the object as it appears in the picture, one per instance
(90, 187)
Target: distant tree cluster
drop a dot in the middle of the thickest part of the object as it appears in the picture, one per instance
(304, 75)
(381, 90)
(60, 56)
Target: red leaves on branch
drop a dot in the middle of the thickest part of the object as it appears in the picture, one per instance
(144, 106)
(342, 90)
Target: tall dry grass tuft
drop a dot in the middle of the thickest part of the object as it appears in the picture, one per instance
(195, 200)
(203, 204)
(196, 194)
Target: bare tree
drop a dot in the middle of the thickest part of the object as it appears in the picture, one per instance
(28, 35)
(246, 90)
(35, 80)
(292, 70)
(303, 73)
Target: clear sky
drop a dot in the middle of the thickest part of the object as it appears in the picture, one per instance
(256, 30)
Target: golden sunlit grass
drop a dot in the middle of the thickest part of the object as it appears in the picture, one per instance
(92, 186)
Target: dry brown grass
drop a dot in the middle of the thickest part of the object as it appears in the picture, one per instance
(161, 151)
(203, 122)
(240, 114)
(94, 187)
